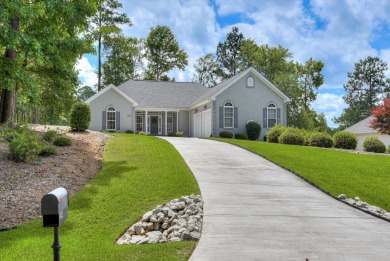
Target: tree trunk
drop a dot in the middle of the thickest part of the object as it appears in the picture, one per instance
(99, 63)
(8, 99)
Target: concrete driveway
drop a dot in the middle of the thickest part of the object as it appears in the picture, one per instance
(255, 210)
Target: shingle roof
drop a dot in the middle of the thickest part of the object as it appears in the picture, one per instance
(362, 127)
(154, 94)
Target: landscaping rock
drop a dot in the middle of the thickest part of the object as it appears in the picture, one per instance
(180, 219)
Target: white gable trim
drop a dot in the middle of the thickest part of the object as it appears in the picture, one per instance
(109, 87)
(260, 77)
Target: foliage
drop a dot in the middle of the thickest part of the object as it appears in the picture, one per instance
(130, 131)
(179, 134)
(80, 117)
(84, 93)
(241, 136)
(253, 130)
(226, 134)
(62, 141)
(381, 118)
(171, 134)
(292, 136)
(105, 202)
(321, 139)
(374, 144)
(207, 71)
(332, 170)
(306, 135)
(274, 133)
(163, 52)
(41, 41)
(388, 149)
(229, 54)
(364, 89)
(141, 133)
(345, 140)
(106, 22)
(47, 150)
(123, 61)
(50, 135)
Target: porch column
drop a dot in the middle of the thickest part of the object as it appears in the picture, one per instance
(177, 121)
(166, 122)
(146, 122)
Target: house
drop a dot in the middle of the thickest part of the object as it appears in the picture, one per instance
(363, 130)
(160, 108)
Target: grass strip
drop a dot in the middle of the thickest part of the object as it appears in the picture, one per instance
(364, 175)
(138, 173)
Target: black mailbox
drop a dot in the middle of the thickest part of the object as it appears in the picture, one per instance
(54, 207)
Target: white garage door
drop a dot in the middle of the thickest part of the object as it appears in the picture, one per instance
(197, 125)
(206, 123)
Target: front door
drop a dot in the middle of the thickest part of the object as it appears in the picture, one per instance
(154, 125)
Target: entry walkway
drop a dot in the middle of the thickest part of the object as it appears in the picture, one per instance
(255, 210)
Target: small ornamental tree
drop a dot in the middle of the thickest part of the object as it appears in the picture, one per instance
(80, 117)
(381, 118)
(253, 130)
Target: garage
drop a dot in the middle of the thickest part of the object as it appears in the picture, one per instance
(198, 125)
(206, 123)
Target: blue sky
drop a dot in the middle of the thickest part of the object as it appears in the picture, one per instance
(337, 32)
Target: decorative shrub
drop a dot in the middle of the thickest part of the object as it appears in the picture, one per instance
(265, 138)
(345, 140)
(80, 116)
(274, 133)
(24, 147)
(47, 150)
(292, 136)
(130, 132)
(253, 130)
(306, 135)
(388, 149)
(141, 133)
(374, 144)
(321, 139)
(226, 134)
(241, 136)
(62, 141)
(50, 135)
(171, 134)
(179, 134)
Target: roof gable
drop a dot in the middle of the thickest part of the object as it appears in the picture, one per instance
(110, 87)
(362, 126)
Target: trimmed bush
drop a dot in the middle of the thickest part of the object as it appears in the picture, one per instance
(141, 133)
(253, 130)
(50, 135)
(179, 134)
(241, 136)
(24, 147)
(388, 149)
(47, 150)
(130, 132)
(274, 133)
(171, 134)
(292, 136)
(321, 139)
(306, 135)
(226, 134)
(265, 138)
(374, 144)
(62, 141)
(80, 116)
(345, 140)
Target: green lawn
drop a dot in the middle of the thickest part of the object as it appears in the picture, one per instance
(139, 172)
(363, 175)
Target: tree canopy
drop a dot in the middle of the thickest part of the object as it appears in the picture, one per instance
(381, 117)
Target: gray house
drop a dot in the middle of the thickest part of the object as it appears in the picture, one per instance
(159, 108)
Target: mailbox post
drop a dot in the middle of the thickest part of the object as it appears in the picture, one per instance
(54, 208)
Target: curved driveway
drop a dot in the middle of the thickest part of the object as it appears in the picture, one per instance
(255, 210)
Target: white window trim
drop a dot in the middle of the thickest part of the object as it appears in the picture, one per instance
(250, 80)
(224, 121)
(272, 106)
(142, 122)
(171, 124)
(107, 120)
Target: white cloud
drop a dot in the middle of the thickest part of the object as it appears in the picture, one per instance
(330, 104)
(87, 74)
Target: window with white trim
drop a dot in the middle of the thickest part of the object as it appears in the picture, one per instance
(271, 115)
(170, 122)
(250, 82)
(228, 115)
(139, 122)
(111, 118)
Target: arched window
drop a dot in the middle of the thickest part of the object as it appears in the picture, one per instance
(250, 82)
(111, 118)
(228, 115)
(271, 115)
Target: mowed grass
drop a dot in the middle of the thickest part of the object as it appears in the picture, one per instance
(337, 172)
(139, 173)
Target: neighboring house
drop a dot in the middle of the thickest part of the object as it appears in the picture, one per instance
(160, 108)
(362, 130)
